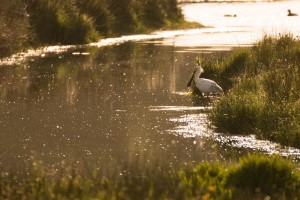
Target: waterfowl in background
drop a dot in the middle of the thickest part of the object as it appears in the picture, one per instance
(229, 15)
(291, 14)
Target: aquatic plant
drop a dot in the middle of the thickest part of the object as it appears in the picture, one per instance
(264, 99)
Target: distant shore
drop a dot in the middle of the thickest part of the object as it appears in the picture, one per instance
(30, 24)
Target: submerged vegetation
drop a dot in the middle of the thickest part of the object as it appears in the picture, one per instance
(38, 22)
(264, 90)
(254, 177)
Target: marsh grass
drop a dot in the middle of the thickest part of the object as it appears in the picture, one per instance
(253, 176)
(263, 96)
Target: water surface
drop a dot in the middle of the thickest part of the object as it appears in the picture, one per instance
(121, 101)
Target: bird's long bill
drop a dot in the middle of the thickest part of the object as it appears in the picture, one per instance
(190, 82)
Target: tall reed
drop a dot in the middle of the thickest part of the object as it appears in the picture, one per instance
(265, 94)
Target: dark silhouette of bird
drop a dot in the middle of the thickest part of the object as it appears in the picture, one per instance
(291, 14)
(229, 15)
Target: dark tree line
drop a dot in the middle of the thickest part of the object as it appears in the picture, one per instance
(36, 22)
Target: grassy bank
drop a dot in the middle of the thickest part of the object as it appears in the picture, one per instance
(263, 84)
(253, 177)
(44, 22)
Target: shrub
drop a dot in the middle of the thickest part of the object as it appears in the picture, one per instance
(60, 22)
(239, 112)
(44, 22)
(203, 181)
(261, 176)
(124, 15)
(14, 27)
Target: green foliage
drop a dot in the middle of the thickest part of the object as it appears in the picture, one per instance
(81, 21)
(240, 113)
(14, 27)
(60, 22)
(204, 181)
(226, 72)
(265, 93)
(253, 177)
(101, 14)
(261, 176)
(273, 49)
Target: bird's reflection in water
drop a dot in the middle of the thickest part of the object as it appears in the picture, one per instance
(198, 99)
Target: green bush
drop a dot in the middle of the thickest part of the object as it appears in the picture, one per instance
(14, 27)
(261, 176)
(39, 22)
(84, 21)
(60, 22)
(100, 12)
(203, 181)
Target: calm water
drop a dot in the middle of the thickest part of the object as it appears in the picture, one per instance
(252, 21)
(119, 102)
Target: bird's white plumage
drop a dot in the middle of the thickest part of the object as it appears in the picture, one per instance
(205, 86)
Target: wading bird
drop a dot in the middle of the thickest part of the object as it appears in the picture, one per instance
(205, 86)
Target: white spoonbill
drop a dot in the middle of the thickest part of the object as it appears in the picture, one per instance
(205, 86)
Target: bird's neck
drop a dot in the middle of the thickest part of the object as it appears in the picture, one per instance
(196, 77)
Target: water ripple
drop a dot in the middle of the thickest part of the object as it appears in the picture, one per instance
(198, 126)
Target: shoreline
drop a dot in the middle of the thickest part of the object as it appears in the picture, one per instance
(19, 57)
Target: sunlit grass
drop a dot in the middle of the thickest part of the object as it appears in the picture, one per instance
(252, 177)
(260, 177)
(264, 93)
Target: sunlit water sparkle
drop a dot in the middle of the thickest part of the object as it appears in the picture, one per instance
(124, 99)
(198, 126)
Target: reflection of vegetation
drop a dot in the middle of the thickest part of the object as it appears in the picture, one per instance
(253, 177)
(81, 21)
(265, 95)
(72, 78)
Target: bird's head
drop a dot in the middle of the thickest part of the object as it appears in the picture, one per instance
(198, 68)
